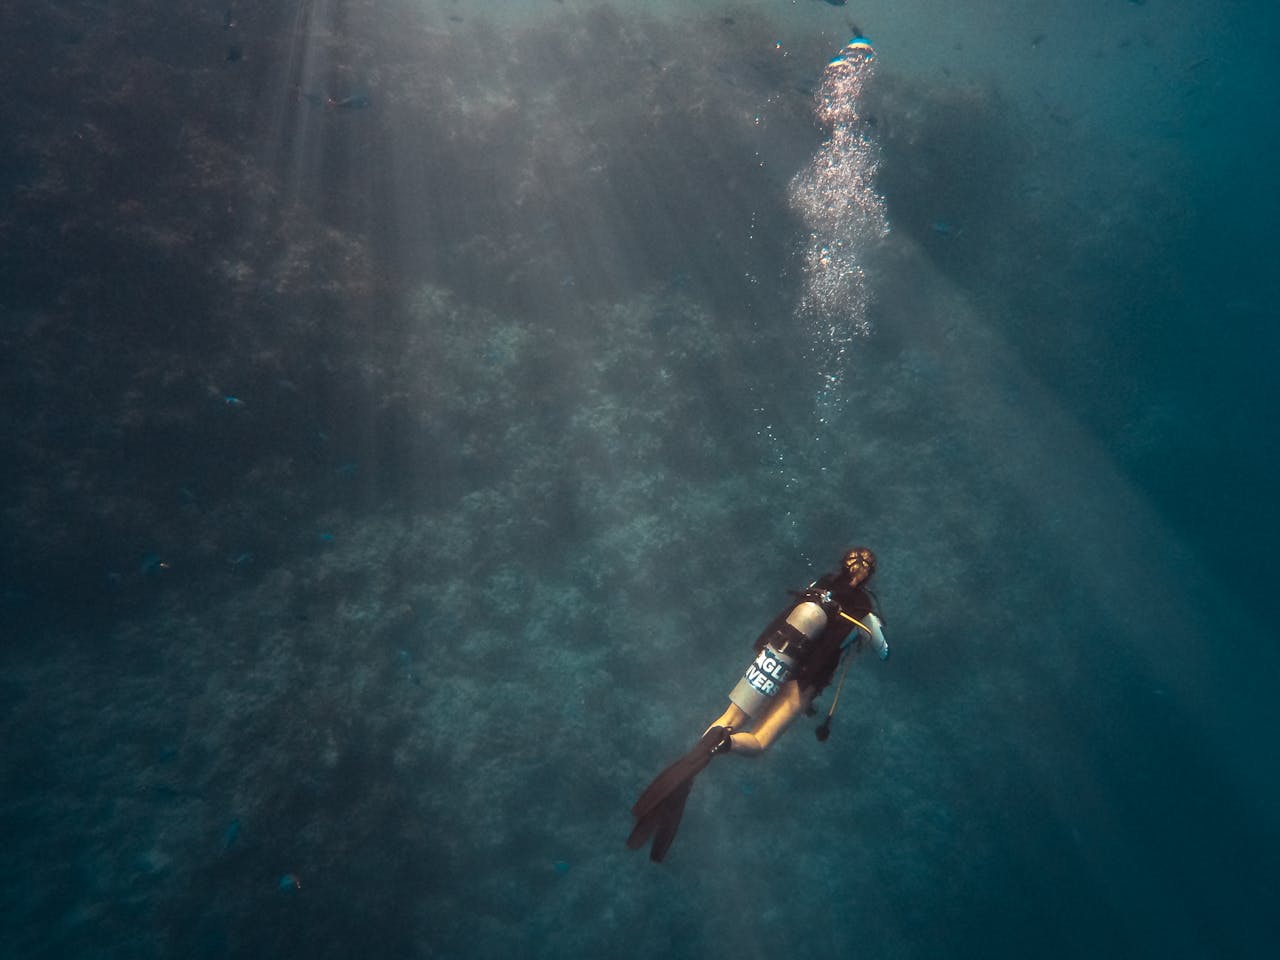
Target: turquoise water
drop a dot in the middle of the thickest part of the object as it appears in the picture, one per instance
(414, 413)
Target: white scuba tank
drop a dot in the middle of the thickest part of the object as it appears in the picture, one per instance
(772, 667)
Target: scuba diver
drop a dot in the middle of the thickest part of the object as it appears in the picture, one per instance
(796, 657)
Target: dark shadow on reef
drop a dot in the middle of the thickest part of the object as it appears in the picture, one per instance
(952, 172)
(207, 258)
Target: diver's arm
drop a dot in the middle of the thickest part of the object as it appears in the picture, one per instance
(871, 627)
(876, 628)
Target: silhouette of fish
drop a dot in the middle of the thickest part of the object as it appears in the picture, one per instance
(357, 101)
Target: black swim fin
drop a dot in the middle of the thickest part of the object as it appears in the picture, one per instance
(661, 823)
(660, 807)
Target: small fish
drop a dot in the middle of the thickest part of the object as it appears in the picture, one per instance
(151, 563)
(290, 881)
(231, 401)
(357, 101)
(232, 832)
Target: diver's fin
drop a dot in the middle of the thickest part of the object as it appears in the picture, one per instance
(643, 830)
(672, 813)
(661, 823)
(679, 773)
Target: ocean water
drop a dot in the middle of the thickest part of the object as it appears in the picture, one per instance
(413, 411)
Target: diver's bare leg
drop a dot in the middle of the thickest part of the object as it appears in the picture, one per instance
(733, 717)
(789, 705)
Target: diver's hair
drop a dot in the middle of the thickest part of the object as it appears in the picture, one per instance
(859, 558)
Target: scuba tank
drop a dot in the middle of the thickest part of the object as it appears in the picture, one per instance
(804, 625)
(777, 655)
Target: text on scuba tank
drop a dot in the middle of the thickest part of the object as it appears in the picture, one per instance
(768, 673)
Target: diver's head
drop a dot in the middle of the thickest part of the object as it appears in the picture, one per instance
(859, 563)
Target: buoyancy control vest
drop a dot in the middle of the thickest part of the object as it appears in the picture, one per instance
(813, 629)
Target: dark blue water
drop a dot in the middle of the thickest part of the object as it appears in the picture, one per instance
(410, 423)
